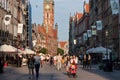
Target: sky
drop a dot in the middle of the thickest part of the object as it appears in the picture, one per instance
(63, 9)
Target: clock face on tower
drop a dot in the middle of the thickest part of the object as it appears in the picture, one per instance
(47, 7)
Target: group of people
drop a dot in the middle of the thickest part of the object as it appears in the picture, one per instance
(70, 62)
(86, 61)
(34, 62)
(72, 65)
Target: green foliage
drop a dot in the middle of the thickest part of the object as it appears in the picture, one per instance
(43, 50)
(60, 51)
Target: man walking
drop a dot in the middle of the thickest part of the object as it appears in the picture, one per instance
(37, 64)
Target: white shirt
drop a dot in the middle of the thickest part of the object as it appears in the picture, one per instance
(59, 58)
(55, 58)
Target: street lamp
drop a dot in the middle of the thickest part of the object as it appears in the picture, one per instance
(106, 33)
(108, 62)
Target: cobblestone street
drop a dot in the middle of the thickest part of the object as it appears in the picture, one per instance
(51, 73)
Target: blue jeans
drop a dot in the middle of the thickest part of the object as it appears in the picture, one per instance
(37, 66)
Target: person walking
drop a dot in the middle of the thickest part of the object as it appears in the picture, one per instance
(51, 61)
(37, 64)
(1, 65)
(84, 60)
(59, 64)
(89, 61)
(31, 62)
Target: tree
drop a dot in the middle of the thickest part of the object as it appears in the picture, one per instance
(43, 50)
(61, 51)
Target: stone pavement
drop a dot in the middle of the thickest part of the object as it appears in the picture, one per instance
(51, 73)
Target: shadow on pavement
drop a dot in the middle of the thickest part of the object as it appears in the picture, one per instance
(115, 75)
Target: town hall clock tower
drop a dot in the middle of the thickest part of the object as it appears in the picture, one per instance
(48, 15)
(48, 24)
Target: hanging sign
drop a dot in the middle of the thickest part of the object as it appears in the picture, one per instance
(75, 41)
(89, 33)
(99, 25)
(94, 32)
(7, 19)
(114, 6)
(20, 28)
(85, 36)
(93, 27)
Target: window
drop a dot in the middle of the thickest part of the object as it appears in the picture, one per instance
(45, 15)
(49, 15)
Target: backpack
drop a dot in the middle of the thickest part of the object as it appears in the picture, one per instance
(31, 63)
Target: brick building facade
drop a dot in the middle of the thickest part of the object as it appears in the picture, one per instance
(47, 35)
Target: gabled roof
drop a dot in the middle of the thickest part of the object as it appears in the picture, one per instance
(41, 29)
(87, 8)
(62, 44)
(77, 16)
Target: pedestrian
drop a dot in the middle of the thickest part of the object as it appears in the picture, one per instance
(55, 60)
(89, 61)
(42, 60)
(84, 61)
(37, 64)
(63, 62)
(59, 64)
(1, 65)
(31, 62)
(51, 61)
(68, 66)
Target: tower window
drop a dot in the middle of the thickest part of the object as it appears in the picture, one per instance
(47, 15)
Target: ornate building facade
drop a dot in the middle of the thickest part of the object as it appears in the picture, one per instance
(47, 32)
(9, 34)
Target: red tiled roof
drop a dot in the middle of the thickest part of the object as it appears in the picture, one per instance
(62, 44)
(87, 8)
(41, 29)
(77, 16)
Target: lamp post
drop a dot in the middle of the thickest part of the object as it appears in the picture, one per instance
(107, 61)
(106, 33)
(109, 66)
